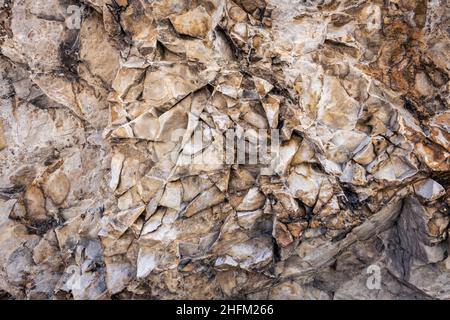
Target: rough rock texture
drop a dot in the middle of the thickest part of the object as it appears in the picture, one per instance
(93, 205)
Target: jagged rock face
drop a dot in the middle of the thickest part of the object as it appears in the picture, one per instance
(101, 193)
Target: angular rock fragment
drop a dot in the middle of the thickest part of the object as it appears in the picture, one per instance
(205, 200)
(294, 291)
(304, 184)
(194, 23)
(116, 169)
(253, 200)
(282, 235)
(3, 143)
(429, 189)
(253, 254)
(35, 204)
(58, 187)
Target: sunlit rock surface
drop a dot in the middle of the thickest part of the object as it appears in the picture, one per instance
(100, 106)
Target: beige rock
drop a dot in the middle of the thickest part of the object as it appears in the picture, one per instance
(139, 25)
(304, 184)
(286, 154)
(248, 219)
(58, 187)
(147, 262)
(144, 127)
(296, 228)
(293, 291)
(154, 222)
(3, 143)
(434, 157)
(254, 199)
(429, 189)
(282, 235)
(288, 203)
(365, 156)
(129, 200)
(35, 40)
(336, 109)
(205, 200)
(47, 251)
(194, 23)
(35, 203)
(102, 63)
(116, 169)
(125, 79)
(262, 86)
(148, 187)
(394, 169)
(119, 273)
(305, 153)
(272, 109)
(172, 196)
(354, 173)
(255, 253)
(68, 234)
(116, 225)
(440, 128)
(168, 83)
(423, 85)
(193, 186)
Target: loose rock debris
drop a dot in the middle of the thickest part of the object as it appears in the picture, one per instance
(102, 191)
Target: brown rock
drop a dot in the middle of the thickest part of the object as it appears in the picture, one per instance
(35, 203)
(296, 228)
(58, 187)
(282, 235)
(194, 23)
(3, 143)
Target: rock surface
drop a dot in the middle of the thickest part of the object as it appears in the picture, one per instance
(102, 195)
